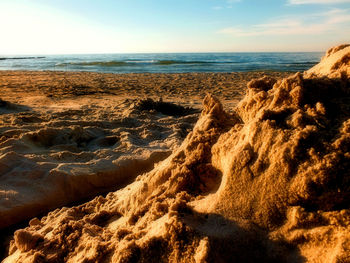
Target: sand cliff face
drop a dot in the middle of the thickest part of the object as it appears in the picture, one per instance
(269, 182)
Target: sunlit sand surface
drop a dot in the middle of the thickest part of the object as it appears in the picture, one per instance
(251, 173)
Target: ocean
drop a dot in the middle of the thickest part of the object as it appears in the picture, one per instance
(165, 62)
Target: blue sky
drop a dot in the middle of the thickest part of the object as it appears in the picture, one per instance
(119, 26)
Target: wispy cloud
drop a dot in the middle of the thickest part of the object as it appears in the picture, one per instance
(229, 4)
(302, 2)
(279, 28)
(293, 25)
(337, 16)
(217, 7)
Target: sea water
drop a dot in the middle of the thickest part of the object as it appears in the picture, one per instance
(165, 62)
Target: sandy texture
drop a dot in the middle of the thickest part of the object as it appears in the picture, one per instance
(334, 63)
(69, 136)
(268, 182)
(188, 89)
(50, 159)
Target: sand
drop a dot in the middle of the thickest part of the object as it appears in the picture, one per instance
(67, 137)
(264, 181)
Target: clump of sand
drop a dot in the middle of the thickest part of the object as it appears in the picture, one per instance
(268, 182)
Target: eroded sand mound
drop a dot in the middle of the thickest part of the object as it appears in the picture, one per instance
(333, 64)
(269, 182)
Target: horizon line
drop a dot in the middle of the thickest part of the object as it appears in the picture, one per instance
(117, 53)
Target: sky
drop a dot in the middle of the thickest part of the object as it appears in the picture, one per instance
(143, 26)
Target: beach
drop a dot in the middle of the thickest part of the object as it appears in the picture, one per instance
(187, 88)
(61, 125)
(191, 167)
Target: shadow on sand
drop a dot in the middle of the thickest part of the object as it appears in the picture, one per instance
(230, 241)
(9, 107)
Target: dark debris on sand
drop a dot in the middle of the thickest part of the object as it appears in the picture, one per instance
(3, 103)
(165, 108)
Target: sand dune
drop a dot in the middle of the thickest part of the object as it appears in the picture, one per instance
(266, 182)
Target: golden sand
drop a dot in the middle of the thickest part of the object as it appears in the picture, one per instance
(267, 181)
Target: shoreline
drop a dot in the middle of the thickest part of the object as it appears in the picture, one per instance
(168, 63)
